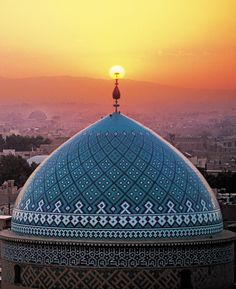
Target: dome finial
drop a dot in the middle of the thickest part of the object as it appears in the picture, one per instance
(116, 73)
(116, 93)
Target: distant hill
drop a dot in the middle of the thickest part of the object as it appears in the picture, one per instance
(64, 89)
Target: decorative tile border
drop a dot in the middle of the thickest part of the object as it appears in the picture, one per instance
(118, 256)
(116, 226)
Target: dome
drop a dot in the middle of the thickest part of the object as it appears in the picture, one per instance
(38, 115)
(36, 159)
(116, 180)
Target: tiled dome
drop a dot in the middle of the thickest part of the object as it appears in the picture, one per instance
(116, 180)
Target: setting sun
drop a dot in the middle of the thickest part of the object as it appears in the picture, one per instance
(177, 43)
(117, 72)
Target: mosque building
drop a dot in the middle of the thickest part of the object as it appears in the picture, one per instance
(117, 207)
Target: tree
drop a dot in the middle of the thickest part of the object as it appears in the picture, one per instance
(2, 143)
(225, 180)
(14, 168)
(22, 143)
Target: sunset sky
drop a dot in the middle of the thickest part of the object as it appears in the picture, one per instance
(187, 43)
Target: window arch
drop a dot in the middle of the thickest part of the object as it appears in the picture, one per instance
(186, 279)
(17, 274)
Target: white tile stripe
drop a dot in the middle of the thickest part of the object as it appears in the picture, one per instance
(123, 220)
(116, 234)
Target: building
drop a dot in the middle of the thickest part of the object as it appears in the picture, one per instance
(219, 152)
(8, 195)
(117, 207)
(46, 149)
(23, 154)
(5, 222)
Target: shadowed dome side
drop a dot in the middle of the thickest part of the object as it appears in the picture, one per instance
(116, 180)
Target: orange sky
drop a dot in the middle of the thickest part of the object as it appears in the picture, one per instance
(188, 43)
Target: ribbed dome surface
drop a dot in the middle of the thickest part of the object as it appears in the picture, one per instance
(116, 180)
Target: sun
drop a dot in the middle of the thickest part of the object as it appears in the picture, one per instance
(117, 72)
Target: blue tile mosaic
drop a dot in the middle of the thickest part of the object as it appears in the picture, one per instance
(116, 180)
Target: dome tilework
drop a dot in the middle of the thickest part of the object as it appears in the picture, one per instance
(116, 180)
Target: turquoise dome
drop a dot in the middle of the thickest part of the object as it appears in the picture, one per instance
(116, 180)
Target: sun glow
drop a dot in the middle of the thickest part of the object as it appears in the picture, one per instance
(179, 43)
(117, 72)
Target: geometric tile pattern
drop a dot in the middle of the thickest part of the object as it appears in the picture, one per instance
(120, 256)
(71, 279)
(52, 277)
(116, 180)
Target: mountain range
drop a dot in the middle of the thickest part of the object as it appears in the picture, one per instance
(80, 90)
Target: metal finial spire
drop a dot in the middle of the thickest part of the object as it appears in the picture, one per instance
(116, 72)
(116, 92)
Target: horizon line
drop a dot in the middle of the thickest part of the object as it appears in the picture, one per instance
(110, 80)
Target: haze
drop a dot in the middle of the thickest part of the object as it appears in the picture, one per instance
(182, 43)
